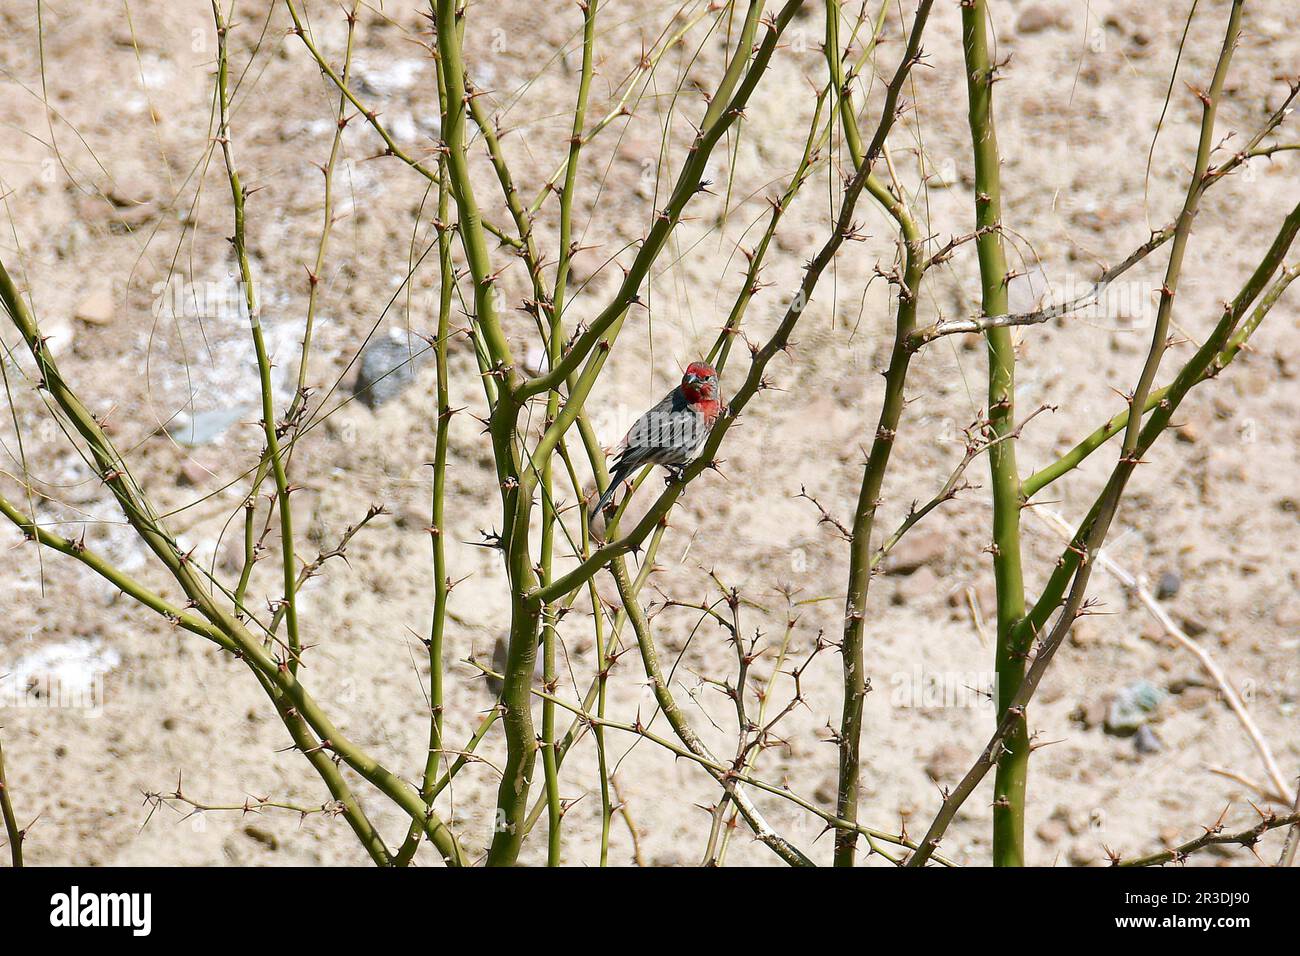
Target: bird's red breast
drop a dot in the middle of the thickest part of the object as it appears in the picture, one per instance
(708, 407)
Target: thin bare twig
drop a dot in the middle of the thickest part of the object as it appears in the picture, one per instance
(1213, 836)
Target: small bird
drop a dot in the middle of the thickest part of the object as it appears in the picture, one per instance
(671, 433)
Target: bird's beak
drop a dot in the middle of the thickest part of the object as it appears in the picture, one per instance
(694, 379)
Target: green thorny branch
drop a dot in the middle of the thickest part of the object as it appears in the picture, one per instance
(1017, 629)
(532, 594)
(13, 831)
(715, 121)
(909, 285)
(518, 482)
(1048, 621)
(540, 594)
(313, 733)
(1009, 788)
(755, 381)
(272, 454)
(442, 583)
(864, 158)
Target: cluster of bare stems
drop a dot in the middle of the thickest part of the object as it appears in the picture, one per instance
(553, 571)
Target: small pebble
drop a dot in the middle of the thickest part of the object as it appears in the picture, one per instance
(204, 427)
(1083, 854)
(1132, 707)
(1036, 19)
(194, 474)
(1168, 585)
(264, 837)
(1051, 831)
(1146, 742)
(97, 308)
(1083, 634)
(388, 366)
(914, 551)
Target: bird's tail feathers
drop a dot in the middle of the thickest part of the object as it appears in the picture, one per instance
(615, 480)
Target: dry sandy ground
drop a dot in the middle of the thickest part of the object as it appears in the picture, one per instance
(130, 197)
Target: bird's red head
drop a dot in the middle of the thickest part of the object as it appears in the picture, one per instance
(700, 383)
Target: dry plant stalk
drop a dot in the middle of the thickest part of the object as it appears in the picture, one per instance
(552, 555)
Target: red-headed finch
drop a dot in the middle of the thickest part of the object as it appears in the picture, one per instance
(671, 433)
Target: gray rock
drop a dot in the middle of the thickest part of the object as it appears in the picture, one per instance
(388, 366)
(205, 427)
(1146, 742)
(1132, 707)
(1168, 585)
